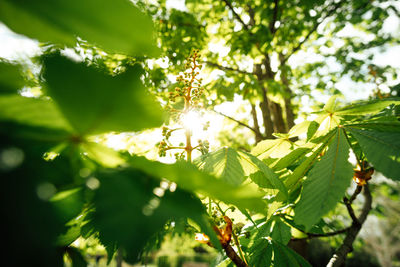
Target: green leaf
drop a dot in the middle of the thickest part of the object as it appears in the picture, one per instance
(225, 164)
(299, 129)
(68, 204)
(106, 156)
(290, 158)
(94, 102)
(312, 128)
(366, 107)
(116, 26)
(281, 231)
(284, 256)
(382, 150)
(295, 178)
(262, 255)
(10, 78)
(132, 206)
(76, 257)
(330, 105)
(326, 183)
(269, 175)
(275, 148)
(188, 177)
(32, 112)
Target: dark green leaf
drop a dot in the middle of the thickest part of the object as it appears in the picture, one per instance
(262, 255)
(94, 102)
(76, 257)
(382, 150)
(32, 112)
(188, 177)
(326, 183)
(131, 207)
(281, 231)
(10, 78)
(68, 204)
(117, 26)
(285, 256)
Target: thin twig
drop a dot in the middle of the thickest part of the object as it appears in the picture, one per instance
(229, 5)
(313, 29)
(227, 68)
(237, 121)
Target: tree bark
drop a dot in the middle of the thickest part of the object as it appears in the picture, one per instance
(340, 255)
(279, 123)
(257, 132)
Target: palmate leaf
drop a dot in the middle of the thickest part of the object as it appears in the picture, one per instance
(382, 149)
(94, 102)
(129, 212)
(225, 164)
(32, 112)
(235, 166)
(293, 181)
(262, 255)
(275, 148)
(281, 231)
(189, 177)
(116, 26)
(326, 183)
(285, 256)
(366, 107)
(267, 250)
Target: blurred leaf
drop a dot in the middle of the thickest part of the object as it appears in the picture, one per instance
(326, 183)
(330, 105)
(312, 129)
(32, 112)
(129, 209)
(106, 156)
(188, 177)
(68, 204)
(76, 257)
(382, 150)
(94, 102)
(10, 78)
(116, 26)
(299, 129)
(366, 107)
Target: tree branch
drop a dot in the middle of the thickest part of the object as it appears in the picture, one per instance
(227, 68)
(339, 257)
(272, 28)
(237, 121)
(312, 235)
(313, 29)
(229, 5)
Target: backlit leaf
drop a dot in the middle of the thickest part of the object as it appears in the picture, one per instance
(94, 102)
(116, 26)
(326, 183)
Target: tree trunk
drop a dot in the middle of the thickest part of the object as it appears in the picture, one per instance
(258, 134)
(279, 123)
